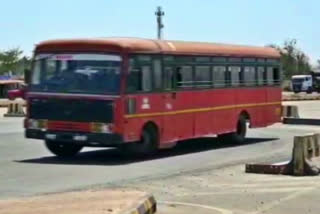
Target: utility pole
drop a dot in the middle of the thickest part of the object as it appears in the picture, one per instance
(159, 13)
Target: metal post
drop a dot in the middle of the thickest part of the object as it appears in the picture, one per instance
(159, 13)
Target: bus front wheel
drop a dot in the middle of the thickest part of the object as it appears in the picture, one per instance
(61, 149)
(148, 144)
(237, 137)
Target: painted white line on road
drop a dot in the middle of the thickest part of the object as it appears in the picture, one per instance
(277, 202)
(222, 211)
(263, 190)
(297, 182)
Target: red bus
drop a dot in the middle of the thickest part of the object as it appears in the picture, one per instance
(142, 94)
(7, 85)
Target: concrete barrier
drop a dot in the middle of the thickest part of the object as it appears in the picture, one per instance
(290, 111)
(15, 109)
(299, 97)
(83, 202)
(265, 168)
(6, 102)
(306, 152)
(147, 205)
(305, 159)
(290, 115)
(301, 121)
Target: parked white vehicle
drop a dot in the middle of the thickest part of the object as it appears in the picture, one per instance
(302, 83)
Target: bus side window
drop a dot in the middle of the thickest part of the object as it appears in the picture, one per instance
(203, 77)
(219, 76)
(260, 75)
(235, 75)
(270, 76)
(157, 74)
(276, 76)
(179, 77)
(249, 75)
(168, 78)
(184, 77)
(134, 80)
(146, 78)
(139, 78)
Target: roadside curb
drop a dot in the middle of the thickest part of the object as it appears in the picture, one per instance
(301, 121)
(304, 160)
(300, 98)
(4, 103)
(120, 201)
(273, 169)
(147, 205)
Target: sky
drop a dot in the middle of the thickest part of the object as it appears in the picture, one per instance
(253, 22)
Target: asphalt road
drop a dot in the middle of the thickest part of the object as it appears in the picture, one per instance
(26, 168)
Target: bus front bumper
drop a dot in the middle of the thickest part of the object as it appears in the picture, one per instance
(79, 138)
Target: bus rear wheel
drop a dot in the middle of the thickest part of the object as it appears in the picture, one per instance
(309, 91)
(237, 137)
(148, 144)
(61, 149)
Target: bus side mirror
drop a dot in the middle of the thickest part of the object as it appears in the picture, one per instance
(18, 93)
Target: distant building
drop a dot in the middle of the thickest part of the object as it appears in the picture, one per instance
(6, 77)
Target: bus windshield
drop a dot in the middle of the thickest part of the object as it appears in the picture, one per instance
(76, 73)
(298, 80)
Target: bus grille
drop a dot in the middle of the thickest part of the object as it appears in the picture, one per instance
(68, 126)
(71, 110)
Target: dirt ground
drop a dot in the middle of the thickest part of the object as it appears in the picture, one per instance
(232, 191)
(93, 202)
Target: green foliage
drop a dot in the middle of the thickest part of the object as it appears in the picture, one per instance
(294, 61)
(12, 61)
(318, 65)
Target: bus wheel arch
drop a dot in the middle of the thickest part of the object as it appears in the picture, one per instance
(242, 125)
(245, 115)
(237, 137)
(152, 127)
(148, 143)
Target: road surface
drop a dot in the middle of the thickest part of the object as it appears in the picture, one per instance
(307, 109)
(27, 168)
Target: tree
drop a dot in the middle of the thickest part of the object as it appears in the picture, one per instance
(11, 60)
(317, 67)
(303, 65)
(294, 61)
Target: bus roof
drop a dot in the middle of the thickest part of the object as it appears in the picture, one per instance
(137, 45)
(300, 76)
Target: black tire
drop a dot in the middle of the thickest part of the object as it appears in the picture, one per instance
(147, 146)
(296, 92)
(61, 149)
(309, 91)
(237, 137)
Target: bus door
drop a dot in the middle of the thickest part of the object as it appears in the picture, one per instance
(169, 105)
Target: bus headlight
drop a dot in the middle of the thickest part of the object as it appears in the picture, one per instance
(37, 124)
(101, 128)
